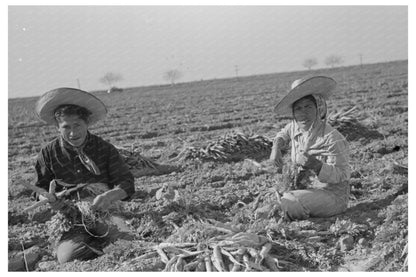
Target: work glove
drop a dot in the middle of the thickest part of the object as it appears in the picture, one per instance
(309, 162)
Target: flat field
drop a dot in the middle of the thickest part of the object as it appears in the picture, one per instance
(161, 121)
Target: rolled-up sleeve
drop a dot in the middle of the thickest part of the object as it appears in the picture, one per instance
(119, 173)
(282, 138)
(336, 168)
(44, 173)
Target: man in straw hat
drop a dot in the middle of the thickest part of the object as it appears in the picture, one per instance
(78, 157)
(319, 152)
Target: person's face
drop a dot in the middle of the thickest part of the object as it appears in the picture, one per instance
(304, 112)
(73, 129)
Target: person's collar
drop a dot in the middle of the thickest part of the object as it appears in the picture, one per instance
(66, 145)
(298, 131)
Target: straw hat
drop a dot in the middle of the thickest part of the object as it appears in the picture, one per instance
(51, 100)
(318, 85)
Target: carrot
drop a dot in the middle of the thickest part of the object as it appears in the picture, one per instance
(52, 187)
(232, 259)
(146, 256)
(271, 263)
(183, 244)
(277, 261)
(162, 255)
(171, 249)
(191, 265)
(237, 264)
(179, 264)
(246, 262)
(258, 266)
(265, 251)
(217, 259)
(253, 252)
(249, 238)
(235, 267)
(50, 197)
(40, 191)
(208, 264)
(190, 254)
(240, 251)
(201, 265)
(170, 263)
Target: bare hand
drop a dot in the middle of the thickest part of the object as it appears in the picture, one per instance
(56, 204)
(102, 202)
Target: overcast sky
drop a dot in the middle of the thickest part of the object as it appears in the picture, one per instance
(53, 46)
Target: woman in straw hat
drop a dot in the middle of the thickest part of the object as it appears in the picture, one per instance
(78, 157)
(318, 151)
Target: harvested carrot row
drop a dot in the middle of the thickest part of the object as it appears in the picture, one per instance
(238, 251)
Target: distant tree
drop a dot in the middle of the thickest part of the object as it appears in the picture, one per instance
(110, 78)
(333, 60)
(172, 76)
(309, 63)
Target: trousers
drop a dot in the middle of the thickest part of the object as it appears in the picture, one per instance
(302, 204)
(78, 244)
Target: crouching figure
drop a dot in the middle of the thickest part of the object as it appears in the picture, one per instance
(319, 152)
(77, 157)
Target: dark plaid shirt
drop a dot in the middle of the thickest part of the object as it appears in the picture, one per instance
(62, 162)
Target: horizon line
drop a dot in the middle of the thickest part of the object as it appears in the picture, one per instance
(225, 78)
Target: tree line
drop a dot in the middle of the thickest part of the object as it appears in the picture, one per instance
(332, 60)
(173, 75)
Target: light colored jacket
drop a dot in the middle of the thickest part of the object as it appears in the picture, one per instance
(335, 171)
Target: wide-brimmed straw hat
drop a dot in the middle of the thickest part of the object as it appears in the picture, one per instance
(317, 85)
(51, 100)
